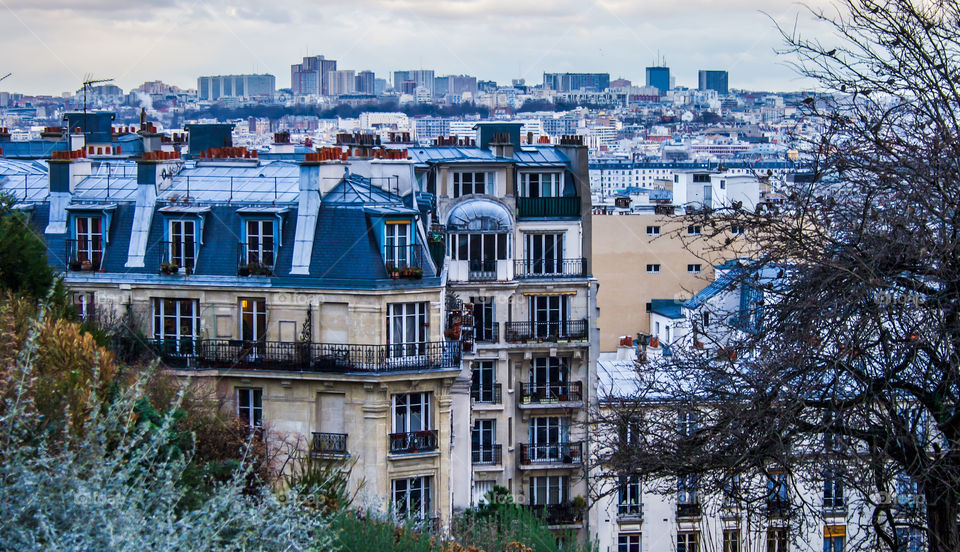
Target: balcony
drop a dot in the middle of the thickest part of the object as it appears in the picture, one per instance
(487, 395)
(491, 455)
(548, 207)
(551, 394)
(778, 508)
(325, 445)
(557, 514)
(630, 512)
(689, 510)
(254, 262)
(482, 271)
(517, 332)
(84, 255)
(307, 357)
(559, 455)
(545, 269)
(413, 442)
(407, 261)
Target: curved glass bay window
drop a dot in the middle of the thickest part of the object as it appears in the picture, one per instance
(479, 232)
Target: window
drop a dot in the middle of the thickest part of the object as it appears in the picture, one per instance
(548, 314)
(648, 306)
(407, 329)
(250, 406)
(777, 490)
(777, 540)
(484, 313)
(397, 250)
(89, 234)
(260, 242)
(907, 493)
(705, 318)
(182, 246)
(687, 490)
(480, 248)
(909, 539)
(483, 438)
(687, 421)
(546, 432)
(543, 253)
(723, 184)
(411, 412)
(736, 229)
(693, 230)
(253, 319)
(483, 388)
(701, 178)
(693, 268)
(548, 489)
(628, 496)
(469, 183)
(176, 323)
(832, 491)
(653, 230)
(653, 268)
(411, 498)
(628, 542)
(834, 537)
(688, 541)
(540, 185)
(731, 540)
(548, 377)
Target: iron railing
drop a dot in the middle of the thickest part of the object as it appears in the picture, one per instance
(488, 395)
(550, 268)
(546, 393)
(557, 514)
(254, 262)
(488, 455)
(630, 510)
(778, 507)
(307, 357)
(555, 453)
(167, 257)
(412, 442)
(329, 444)
(482, 271)
(689, 509)
(404, 257)
(546, 331)
(84, 255)
(568, 206)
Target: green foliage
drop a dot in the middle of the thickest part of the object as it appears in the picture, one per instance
(371, 533)
(24, 268)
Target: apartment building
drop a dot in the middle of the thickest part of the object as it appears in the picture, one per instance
(517, 223)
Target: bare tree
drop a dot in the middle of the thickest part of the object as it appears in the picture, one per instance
(848, 366)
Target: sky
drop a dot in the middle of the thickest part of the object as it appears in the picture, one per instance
(51, 45)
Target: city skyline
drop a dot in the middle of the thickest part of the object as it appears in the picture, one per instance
(178, 41)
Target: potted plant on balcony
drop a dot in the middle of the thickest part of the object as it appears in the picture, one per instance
(579, 503)
(75, 264)
(411, 272)
(86, 265)
(254, 268)
(169, 268)
(393, 271)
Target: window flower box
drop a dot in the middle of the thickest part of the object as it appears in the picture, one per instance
(169, 269)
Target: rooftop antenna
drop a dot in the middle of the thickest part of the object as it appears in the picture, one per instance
(89, 81)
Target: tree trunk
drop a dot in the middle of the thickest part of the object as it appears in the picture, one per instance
(942, 511)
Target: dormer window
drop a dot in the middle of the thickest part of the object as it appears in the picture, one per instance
(89, 242)
(540, 184)
(260, 243)
(397, 250)
(182, 246)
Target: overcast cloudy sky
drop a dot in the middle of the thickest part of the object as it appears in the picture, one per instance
(51, 44)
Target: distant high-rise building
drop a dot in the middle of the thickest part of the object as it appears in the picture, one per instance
(366, 83)
(343, 81)
(571, 82)
(714, 80)
(455, 85)
(659, 78)
(310, 77)
(236, 86)
(419, 77)
(379, 86)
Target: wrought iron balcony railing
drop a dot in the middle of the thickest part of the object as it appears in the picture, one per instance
(84, 255)
(689, 509)
(307, 357)
(550, 268)
(329, 444)
(557, 453)
(255, 261)
(630, 510)
(548, 393)
(487, 394)
(557, 514)
(398, 258)
(546, 331)
(488, 455)
(413, 442)
(482, 271)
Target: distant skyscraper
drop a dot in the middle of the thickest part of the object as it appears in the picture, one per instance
(310, 77)
(419, 77)
(659, 78)
(236, 86)
(342, 82)
(570, 82)
(714, 80)
(366, 83)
